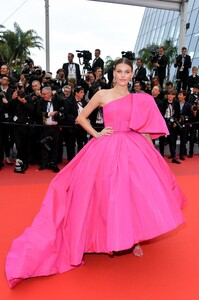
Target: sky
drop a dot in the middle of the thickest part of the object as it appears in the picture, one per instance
(75, 25)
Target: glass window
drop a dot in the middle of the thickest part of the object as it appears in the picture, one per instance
(162, 28)
(192, 21)
(161, 17)
(188, 38)
(175, 15)
(196, 4)
(196, 28)
(192, 45)
(190, 5)
(177, 30)
(172, 29)
(166, 32)
(195, 62)
(166, 16)
(197, 51)
(170, 18)
(155, 39)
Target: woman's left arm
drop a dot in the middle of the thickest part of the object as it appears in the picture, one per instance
(148, 137)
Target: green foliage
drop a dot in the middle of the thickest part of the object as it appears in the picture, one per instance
(109, 63)
(170, 53)
(15, 45)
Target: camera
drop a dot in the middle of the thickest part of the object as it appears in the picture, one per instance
(56, 116)
(154, 56)
(194, 107)
(45, 142)
(128, 54)
(61, 76)
(184, 120)
(87, 77)
(20, 90)
(36, 71)
(87, 56)
(172, 120)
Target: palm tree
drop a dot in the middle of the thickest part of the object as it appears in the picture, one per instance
(15, 45)
(170, 52)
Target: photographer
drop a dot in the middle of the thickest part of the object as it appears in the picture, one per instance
(60, 80)
(159, 62)
(171, 113)
(98, 61)
(6, 135)
(140, 74)
(183, 64)
(194, 128)
(72, 69)
(185, 113)
(35, 132)
(194, 97)
(74, 133)
(4, 103)
(48, 110)
(87, 83)
(20, 112)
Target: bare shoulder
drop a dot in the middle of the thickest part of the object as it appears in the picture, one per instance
(102, 97)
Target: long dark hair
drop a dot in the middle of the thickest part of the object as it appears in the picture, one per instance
(123, 60)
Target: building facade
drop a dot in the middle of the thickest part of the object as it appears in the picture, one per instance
(159, 25)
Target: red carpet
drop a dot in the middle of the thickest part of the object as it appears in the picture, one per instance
(169, 269)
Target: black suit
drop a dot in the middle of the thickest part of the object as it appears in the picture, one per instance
(161, 70)
(49, 149)
(182, 70)
(98, 63)
(172, 138)
(191, 81)
(184, 112)
(78, 74)
(140, 75)
(74, 133)
(159, 103)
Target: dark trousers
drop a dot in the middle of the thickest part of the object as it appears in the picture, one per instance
(1, 144)
(49, 144)
(21, 139)
(72, 136)
(183, 141)
(35, 145)
(172, 139)
(192, 138)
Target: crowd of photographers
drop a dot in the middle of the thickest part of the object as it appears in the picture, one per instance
(38, 112)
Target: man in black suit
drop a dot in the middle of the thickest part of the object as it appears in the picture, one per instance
(48, 110)
(193, 79)
(155, 94)
(72, 69)
(98, 62)
(185, 115)
(171, 113)
(140, 73)
(183, 64)
(160, 66)
(74, 133)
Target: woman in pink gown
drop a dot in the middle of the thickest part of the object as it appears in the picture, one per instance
(116, 192)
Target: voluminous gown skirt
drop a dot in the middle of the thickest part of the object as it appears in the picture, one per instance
(117, 191)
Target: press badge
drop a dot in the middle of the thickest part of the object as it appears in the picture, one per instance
(6, 116)
(15, 118)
